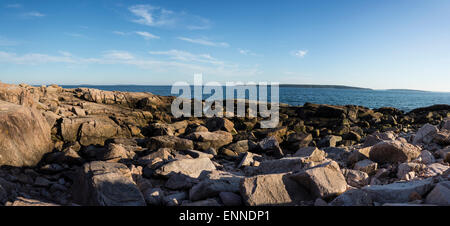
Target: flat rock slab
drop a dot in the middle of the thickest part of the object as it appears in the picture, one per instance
(440, 195)
(173, 142)
(24, 135)
(398, 192)
(106, 184)
(189, 167)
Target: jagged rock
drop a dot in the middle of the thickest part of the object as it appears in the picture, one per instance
(25, 135)
(215, 124)
(366, 166)
(296, 141)
(440, 195)
(445, 154)
(106, 184)
(356, 178)
(242, 146)
(249, 159)
(174, 199)
(206, 140)
(426, 157)
(393, 151)
(442, 137)
(180, 181)
(271, 146)
(398, 192)
(311, 154)
(329, 141)
(272, 189)
(425, 134)
(189, 167)
(353, 197)
(358, 155)
(230, 199)
(162, 153)
(169, 142)
(322, 181)
(405, 168)
(376, 138)
(213, 185)
(117, 152)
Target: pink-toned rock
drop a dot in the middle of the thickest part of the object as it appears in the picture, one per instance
(25, 135)
(393, 152)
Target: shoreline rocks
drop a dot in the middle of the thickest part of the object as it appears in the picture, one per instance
(92, 147)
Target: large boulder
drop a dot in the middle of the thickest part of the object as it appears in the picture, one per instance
(425, 134)
(215, 183)
(106, 184)
(272, 190)
(25, 135)
(322, 181)
(189, 167)
(393, 152)
(91, 130)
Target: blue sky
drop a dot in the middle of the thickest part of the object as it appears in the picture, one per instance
(376, 44)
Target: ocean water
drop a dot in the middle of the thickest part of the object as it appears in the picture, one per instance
(405, 100)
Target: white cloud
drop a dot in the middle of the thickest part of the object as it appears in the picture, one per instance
(188, 57)
(204, 42)
(33, 58)
(75, 35)
(118, 55)
(300, 53)
(147, 35)
(15, 6)
(155, 16)
(33, 14)
(180, 62)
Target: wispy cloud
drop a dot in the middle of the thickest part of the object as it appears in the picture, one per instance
(299, 53)
(204, 42)
(188, 57)
(179, 62)
(247, 52)
(155, 16)
(33, 14)
(147, 35)
(13, 6)
(118, 55)
(120, 33)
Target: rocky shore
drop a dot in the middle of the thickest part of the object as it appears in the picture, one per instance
(91, 147)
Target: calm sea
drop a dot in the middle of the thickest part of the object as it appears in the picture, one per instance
(400, 99)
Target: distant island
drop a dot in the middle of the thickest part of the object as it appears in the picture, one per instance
(322, 86)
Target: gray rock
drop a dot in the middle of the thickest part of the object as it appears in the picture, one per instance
(329, 141)
(270, 145)
(282, 165)
(440, 195)
(366, 166)
(322, 181)
(355, 178)
(311, 154)
(205, 140)
(353, 197)
(213, 184)
(398, 192)
(425, 134)
(106, 184)
(169, 142)
(393, 152)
